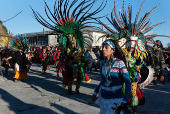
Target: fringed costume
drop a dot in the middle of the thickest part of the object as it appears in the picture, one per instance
(134, 39)
(10, 63)
(19, 44)
(29, 56)
(5, 41)
(43, 57)
(49, 58)
(56, 59)
(69, 25)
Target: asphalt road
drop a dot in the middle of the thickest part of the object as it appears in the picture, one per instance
(43, 94)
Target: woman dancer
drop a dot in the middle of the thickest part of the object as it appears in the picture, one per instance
(113, 73)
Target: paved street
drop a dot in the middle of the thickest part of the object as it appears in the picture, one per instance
(43, 94)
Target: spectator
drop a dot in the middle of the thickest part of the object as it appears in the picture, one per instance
(92, 59)
(159, 62)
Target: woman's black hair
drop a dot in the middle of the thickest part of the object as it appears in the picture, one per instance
(161, 46)
(118, 51)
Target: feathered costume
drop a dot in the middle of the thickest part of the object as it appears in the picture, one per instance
(18, 41)
(134, 35)
(43, 57)
(19, 57)
(69, 27)
(4, 42)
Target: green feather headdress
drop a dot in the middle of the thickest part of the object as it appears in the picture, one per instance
(71, 28)
(70, 23)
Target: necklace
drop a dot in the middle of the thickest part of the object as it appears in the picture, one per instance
(108, 82)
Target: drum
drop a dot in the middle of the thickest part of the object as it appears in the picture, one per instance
(147, 73)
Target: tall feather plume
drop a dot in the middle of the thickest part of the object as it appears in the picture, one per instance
(130, 15)
(124, 20)
(99, 9)
(103, 36)
(129, 12)
(117, 18)
(12, 17)
(139, 12)
(162, 36)
(120, 19)
(155, 26)
(123, 7)
(61, 14)
(108, 28)
(146, 16)
(145, 25)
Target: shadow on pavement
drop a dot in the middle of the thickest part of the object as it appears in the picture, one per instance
(16, 105)
(52, 83)
(63, 109)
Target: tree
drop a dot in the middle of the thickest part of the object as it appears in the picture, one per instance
(5, 29)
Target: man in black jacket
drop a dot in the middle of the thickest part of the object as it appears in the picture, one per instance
(159, 62)
(20, 64)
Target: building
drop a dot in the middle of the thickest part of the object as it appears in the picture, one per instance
(41, 38)
(91, 36)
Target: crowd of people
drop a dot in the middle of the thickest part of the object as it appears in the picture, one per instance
(127, 62)
(47, 55)
(50, 55)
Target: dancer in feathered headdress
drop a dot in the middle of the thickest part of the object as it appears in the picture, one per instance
(19, 44)
(71, 38)
(5, 39)
(4, 42)
(134, 40)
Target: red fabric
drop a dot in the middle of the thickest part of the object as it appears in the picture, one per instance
(56, 58)
(141, 97)
(41, 56)
(87, 78)
(60, 70)
(30, 53)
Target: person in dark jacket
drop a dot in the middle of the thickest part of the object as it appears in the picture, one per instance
(20, 64)
(10, 63)
(159, 62)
